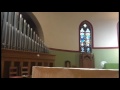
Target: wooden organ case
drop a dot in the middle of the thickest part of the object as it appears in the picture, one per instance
(22, 45)
(86, 60)
(14, 58)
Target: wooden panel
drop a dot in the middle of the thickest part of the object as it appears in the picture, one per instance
(45, 63)
(40, 64)
(50, 64)
(25, 63)
(29, 64)
(32, 64)
(17, 64)
(7, 64)
(36, 63)
(25, 54)
(86, 60)
(2, 64)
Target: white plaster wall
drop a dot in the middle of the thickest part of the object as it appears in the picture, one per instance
(61, 28)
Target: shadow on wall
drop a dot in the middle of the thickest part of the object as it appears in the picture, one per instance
(32, 20)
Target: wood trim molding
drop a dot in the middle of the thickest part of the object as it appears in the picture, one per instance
(78, 50)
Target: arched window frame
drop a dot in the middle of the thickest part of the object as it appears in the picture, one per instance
(91, 29)
(118, 32)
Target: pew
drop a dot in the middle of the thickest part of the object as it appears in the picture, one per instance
(63, 72)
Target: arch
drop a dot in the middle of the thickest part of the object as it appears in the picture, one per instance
(67, 63)
(90, 27)
(32, 20)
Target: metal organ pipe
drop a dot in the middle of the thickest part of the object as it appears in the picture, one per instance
(17, 34)
(4, 28)
(20, 31)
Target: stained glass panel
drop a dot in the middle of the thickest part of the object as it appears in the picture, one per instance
(88, 43)
(85, 25)
(82, 38)
(82, 49)
(81, 44)
(82, 30)
(87, 30)
(88, 50)
(87, 35)
(82, 33)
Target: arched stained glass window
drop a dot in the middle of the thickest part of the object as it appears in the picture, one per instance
(85, 37)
